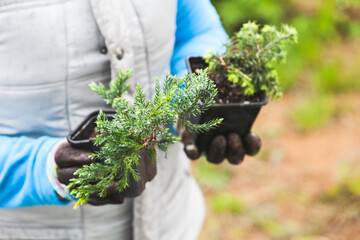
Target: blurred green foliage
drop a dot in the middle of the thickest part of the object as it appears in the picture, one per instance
(228, 203)
(321, 26)
(347, 189)
(344, 197)
(313, 113)
(266, 219)
(211, 176)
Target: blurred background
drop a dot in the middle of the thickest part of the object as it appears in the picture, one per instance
(305, 182)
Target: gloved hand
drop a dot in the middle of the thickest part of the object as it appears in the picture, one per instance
(231, 147)
(69, 159)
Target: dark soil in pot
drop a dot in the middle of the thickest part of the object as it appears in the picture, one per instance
(239, 112)
(83, 137)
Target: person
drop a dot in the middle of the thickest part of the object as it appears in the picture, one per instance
(50, 50)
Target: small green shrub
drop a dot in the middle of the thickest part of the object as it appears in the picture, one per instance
(250, 59)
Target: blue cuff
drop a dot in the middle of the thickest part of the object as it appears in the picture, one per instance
(23, 178)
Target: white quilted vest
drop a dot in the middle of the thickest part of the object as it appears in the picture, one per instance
(57, 47)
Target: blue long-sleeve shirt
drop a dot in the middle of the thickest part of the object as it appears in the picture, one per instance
(23, 178)
(198, 30)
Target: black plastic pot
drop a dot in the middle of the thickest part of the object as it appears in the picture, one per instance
(81, 138)
(238, 117)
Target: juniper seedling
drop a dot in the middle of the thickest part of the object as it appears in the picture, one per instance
(250, 58)
(138, 126)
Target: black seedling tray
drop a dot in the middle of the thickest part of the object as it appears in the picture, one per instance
(80, 137)
(238, 117)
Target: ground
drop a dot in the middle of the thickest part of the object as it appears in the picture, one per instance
(294, 189)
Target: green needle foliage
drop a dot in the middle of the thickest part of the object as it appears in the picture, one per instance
(140, 126)
(250, 58)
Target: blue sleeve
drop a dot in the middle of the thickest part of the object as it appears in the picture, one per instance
(23, 177)
(198, 30)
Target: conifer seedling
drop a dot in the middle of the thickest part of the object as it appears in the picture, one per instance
(141, 125)
(248, 65)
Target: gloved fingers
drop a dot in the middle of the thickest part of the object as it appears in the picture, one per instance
(65, 174)
(112, 188)
(190, 148)
(113, 196)
(146, 169)
(67, 156)
(235, 150)
(112, 199)
(252, 143)
(192, 151)
(96, 201)
(217, 150)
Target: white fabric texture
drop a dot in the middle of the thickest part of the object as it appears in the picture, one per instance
(53, 53)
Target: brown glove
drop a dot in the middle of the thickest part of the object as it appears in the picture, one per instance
(231, 147)
(69, 160)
